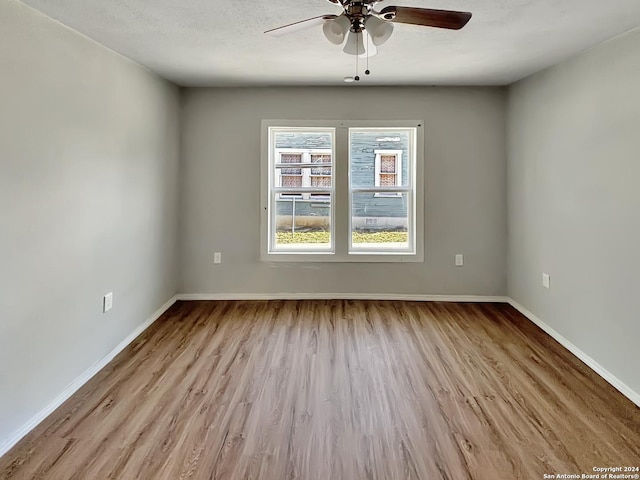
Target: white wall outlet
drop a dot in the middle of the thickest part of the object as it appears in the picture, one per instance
(459, 260)
(217, 257)
(107, 302)
(546, 280)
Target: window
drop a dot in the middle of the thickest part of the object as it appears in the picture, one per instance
(300, 190)
(303, 168)
(342, 191)
(388, 165)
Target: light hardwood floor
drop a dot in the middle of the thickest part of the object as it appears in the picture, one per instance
(335, 390)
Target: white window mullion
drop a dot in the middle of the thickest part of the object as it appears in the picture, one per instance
(342, 204)
(306, 174)
(272, 220)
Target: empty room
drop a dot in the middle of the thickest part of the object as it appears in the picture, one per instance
(311, 239)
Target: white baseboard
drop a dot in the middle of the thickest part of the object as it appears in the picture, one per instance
(342, 296)
(7, 444)
(590, 362)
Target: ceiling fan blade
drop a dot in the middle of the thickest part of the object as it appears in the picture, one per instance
(301, 25)
(427, 17)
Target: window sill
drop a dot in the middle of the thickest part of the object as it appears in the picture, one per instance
(355, 257)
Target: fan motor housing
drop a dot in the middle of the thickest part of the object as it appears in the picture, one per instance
(357, 12)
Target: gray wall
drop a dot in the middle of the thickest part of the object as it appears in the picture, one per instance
(88, 205)
(574, 201)
(465, 190)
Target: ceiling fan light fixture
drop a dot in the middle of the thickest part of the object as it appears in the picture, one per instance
(355, 44)
(369, 48)
(379, 30)
(335, 30)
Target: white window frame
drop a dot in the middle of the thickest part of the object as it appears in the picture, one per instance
(341, 194)
(378, 170)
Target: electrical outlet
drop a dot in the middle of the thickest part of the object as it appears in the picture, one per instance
(459, 260)
(546, 280)
(217, 257)
(107, 302)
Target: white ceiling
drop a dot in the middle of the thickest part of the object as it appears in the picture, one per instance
(214, 42)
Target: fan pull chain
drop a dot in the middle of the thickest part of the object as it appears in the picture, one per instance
(367, 71)
(357, 77)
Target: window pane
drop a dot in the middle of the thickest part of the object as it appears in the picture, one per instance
(388, 163)
(387, 180)
(380, 221)
(380, 157)
(320, 181)
(290, 158)
(301, 219)
(303, 224)
(321, 158)
(291, 181)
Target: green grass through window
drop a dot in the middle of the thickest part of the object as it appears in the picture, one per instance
(323, 237)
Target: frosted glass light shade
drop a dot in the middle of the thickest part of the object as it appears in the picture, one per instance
(379, 30)
(336, 30)
(355, 44)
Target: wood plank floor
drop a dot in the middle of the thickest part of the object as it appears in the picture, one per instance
(335, 390)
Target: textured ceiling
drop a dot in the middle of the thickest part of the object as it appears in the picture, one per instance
(211, 42)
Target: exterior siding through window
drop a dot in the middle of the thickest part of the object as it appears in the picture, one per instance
(363, 171)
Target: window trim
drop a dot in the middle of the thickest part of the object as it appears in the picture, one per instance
(341, 193)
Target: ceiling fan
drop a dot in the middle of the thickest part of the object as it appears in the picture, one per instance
(360, 23)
